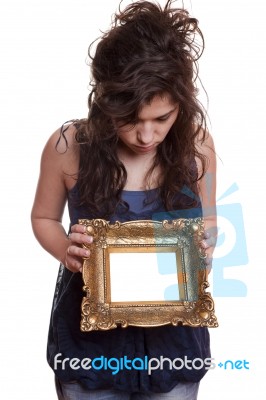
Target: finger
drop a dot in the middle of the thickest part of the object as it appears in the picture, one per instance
(206, 235)
(208, 264)
(203, 244)
(73, 264)
(208, 260)
(78, 228)
(76, 251)
(206, 243)
(80, 238)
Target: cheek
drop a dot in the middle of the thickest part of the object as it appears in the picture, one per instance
(171, 123)
(125, 138)
(164, 136)
(164, 132)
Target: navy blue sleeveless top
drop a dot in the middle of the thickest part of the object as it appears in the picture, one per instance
(168, 341)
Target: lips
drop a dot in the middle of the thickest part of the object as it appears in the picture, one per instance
(145, 148)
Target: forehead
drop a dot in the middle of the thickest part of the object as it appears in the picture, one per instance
(158, 106)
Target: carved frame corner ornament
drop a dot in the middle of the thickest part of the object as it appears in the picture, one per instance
(181, 237)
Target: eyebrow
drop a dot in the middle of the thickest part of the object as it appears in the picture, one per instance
(168, 113)
(164, 115)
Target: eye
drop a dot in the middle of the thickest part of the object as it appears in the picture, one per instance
(164, 118)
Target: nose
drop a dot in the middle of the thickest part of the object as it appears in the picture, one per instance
(145, 132)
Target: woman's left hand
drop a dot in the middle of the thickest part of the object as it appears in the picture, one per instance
(208, 244)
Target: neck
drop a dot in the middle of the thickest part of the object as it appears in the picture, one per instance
(128, 156)
(137, 167)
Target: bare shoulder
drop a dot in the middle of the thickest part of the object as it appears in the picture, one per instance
(61, 153)
(205, 146)
(204, 142)
(63, 140)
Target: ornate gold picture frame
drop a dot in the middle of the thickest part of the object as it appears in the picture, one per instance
(126, 277)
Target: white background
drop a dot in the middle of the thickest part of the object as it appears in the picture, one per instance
(127, 268)
(44, 82)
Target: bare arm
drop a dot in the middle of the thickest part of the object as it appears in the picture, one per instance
(207, 189)
(50, 199)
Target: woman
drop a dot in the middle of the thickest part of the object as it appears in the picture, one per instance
(142, 152)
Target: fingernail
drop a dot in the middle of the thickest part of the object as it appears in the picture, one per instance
(87, 253)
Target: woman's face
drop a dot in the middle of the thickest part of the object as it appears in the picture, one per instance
(153, 124)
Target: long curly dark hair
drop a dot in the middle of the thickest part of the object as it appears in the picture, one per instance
(149, 50)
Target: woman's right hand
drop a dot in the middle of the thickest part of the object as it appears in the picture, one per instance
(75, 252)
